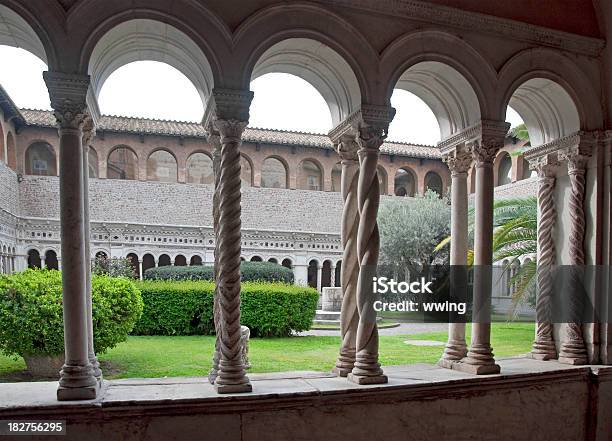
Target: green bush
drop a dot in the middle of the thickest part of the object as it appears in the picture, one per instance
(250, 272)
(31, 320)
(186, 308)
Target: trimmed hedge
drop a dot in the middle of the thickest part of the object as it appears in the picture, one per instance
(186, 308)
(31, 318)
(250, 272)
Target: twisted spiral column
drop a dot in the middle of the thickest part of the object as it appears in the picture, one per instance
(458, 162)
(349, 272)
(231, 376)
(367, 369)
(216, 142)
(544, 346)
(573, 350)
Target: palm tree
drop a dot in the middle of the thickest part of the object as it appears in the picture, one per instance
(515, 223)
(520, 132)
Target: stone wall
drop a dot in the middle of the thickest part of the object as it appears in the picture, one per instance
(9, 190)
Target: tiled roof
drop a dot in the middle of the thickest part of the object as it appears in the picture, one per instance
(195, 130)
(9, 109)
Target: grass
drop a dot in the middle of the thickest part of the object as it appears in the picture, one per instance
(154, 357)
(382, 324)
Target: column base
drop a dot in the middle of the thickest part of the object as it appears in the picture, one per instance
(574, 361)
(447, 363)
(341, 371)
(477, 369)
(79, 393)
(233, 388)
(573, 352)
(365, 379)
(544, 350)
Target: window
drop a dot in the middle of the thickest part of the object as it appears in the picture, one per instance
(273, 174)
(161, 166)
(40, 160)
(200, 169)
(122, 164)
(309, 176)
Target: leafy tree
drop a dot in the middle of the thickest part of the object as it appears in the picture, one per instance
(113, 267)
(520, 132)
(409, 230)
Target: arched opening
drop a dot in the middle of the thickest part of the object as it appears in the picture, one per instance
(287, 263)
(148, 261)
(338, 275)
(200, 169)
(405, 183)
(92, 160)
(11, 152)
(548, 110)
(101, 255)
(40, 160)
(433, 182)
(162, 167)
(273, 260)
(122, 164)
(273, 173)
(34, 259)
(148, 52)
(313, 270)
(256, 259)
(51, 261)
(180, 260)
(315, 64)
(164, 260)
(336, 177)
(504, 169)
(382, 179)
(195, 260)
(133, 261)
(246, 171)
(527, 171)
(326, 274)
(310, 176)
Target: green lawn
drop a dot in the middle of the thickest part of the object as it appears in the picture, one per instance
(191, 356)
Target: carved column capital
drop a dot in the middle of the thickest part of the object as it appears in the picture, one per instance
(458, 160)
(228, 104)
(89, 131)
(230, 130)
(546, 166)
(347, 148)
(68, 94)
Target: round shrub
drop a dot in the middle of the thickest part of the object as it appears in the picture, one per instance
(31, 320)
(249, 272)
(186, 308)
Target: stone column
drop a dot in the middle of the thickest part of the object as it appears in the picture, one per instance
(573, 350)
(228, 112)
(480, 359)
(332, 276)
(544, 345)
(68, 92)
(349, 272)
(88, 134)
(459, 162)
(140, 274)
(300, 274)
(373, 128)
(319, 277)
(42, 262)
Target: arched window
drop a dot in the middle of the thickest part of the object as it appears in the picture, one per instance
(504, 169)
(164, 260)
(246, 172)
(34, 259)
(287, 263)
(310, 176)
(273, 173)
(405, 184)
(92, 160)
(122, 164)
(326, 274)
(200, 169)
(433, 182)
(195, 260)
(161, 166)
(382, 180)
(336, 177)
(51, 260)
(40, 160)
(11, 153)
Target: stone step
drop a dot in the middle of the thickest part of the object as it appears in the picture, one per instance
(327, 315)
(326, 322)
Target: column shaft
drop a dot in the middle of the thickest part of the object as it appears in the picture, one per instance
(215, 141)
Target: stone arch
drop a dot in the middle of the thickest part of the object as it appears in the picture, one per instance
(51, 261)
(148, 261)
(326, 275)
(40, 159)
(195, 260)
(382, 179)
(34, 260)
(180, 260)
(199, 168)
(287, 263)
(23, 29)
(552, 104)
(164, 260)
(246, 170)
(313, 273)
(433, 181)
(448, 74)
(11, 151)
(256, 259)
(122, 163)
(162, 166)
(405, 182)
(338, 275)
(274, 172)
(119, 41)
(132, 258)
(92, 161)
(273, 260)
(503, 168)
(310, 175)
(2, 143)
